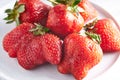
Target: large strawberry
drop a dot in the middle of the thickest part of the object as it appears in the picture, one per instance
(110, 35)
(63, 20)
(89, 12)
(32, 46)
(33, 11)
(80, 55)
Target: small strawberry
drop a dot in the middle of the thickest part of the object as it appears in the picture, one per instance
(32, 11)
(80, 55)
(63, 19)
(12, 40)
(110, 35)
(89, 12)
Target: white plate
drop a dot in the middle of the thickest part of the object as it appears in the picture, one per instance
(10, 69)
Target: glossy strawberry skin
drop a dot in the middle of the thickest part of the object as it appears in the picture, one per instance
(62, 22)
(109, 33)
(12, 40)
(89, 11)
(80, 55)
(35, 11)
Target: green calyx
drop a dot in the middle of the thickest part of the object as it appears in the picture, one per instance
(94, 36)
(39, 30)
(13, 14)
(72, 5)
(68, 2)
(91, 32)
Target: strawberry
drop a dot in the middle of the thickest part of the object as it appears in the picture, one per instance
(80, 55)
(89, 11)
(32, 11)
(12, 40)
(110, 35)
(63, 20)
(32, 46)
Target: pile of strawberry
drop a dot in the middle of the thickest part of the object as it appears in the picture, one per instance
(59, 35)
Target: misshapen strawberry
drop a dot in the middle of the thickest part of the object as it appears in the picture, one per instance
(31, 48)
(110, 35)
(89, 12)
(80, 55)
(62, 22)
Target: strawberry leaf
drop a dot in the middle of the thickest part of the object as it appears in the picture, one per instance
(9, 11)
(13, 14)
(66, 2)
(61, 1)
(39, 29)
(21, 8)
(94, 37)
(76, 2)
(72, 5)
(10, 21)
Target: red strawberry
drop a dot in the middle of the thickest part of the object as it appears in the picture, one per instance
(80, 55)
(33, 11)
(63, 22)
(12, 40)
(32, 49)
(110, 35)
(89, 11)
